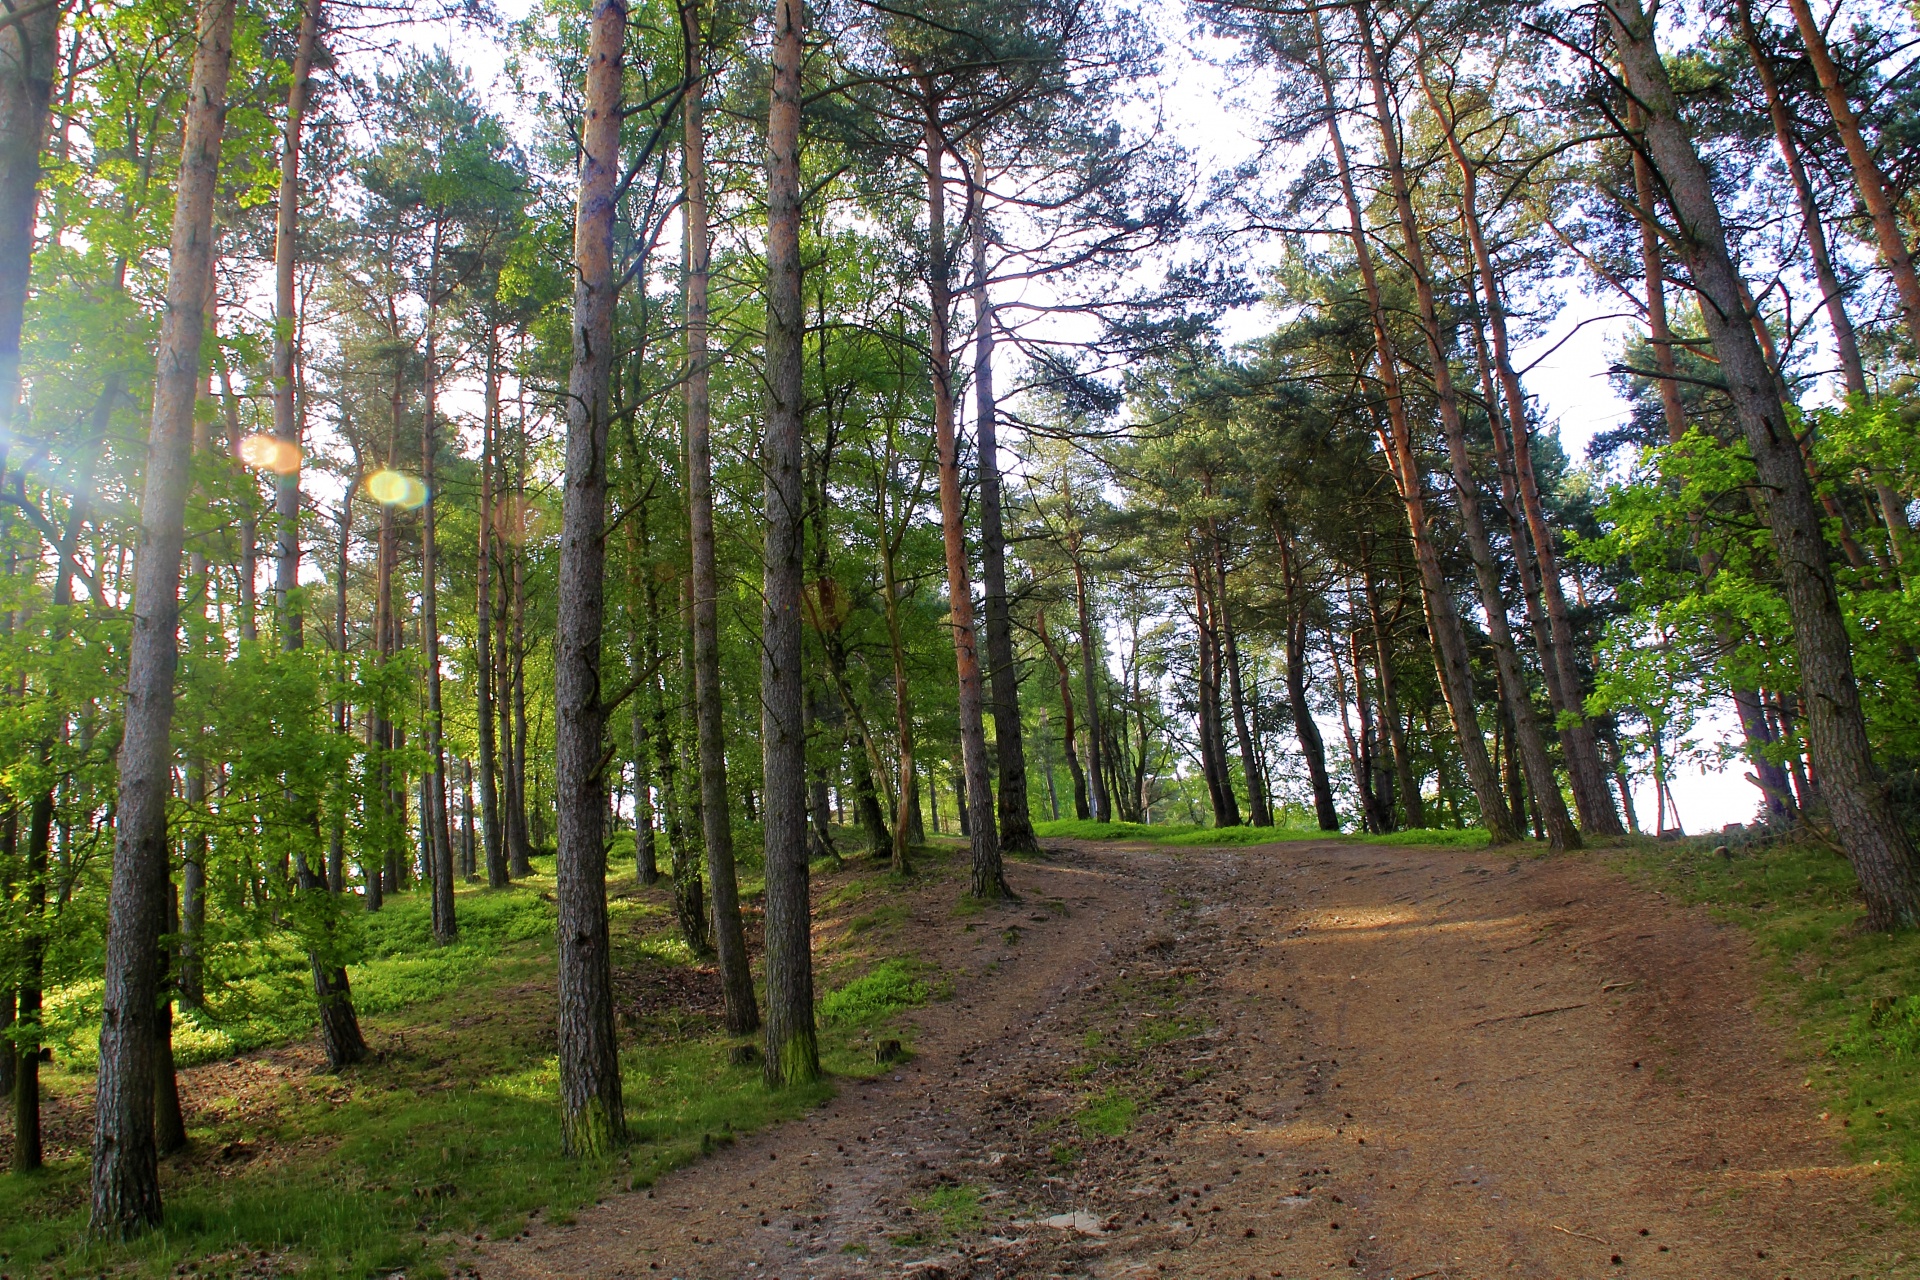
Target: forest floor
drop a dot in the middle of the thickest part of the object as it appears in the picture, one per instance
(1293, 1060)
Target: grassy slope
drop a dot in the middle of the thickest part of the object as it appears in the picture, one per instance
(452, 1131)
(1851, 994)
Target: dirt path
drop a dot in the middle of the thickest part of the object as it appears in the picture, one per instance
(1288, 1061)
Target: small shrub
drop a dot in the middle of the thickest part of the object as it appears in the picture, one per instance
(886, 989)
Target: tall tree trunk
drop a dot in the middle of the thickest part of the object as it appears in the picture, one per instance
(793, 1050)
(1443, 619)
(592, 1117)
(29, 50)
(1832, 296)
(440, 848)
(857, 735)
(1082, 810)
(340, 1034)
(1875, 843)
(1587, 774)
(1411, 803)
(1260, 813)
(169, 1125)
(906, 818)
(1090, 686)
(989, 879)
(1304, 728)
(126, 1186)
(484, 666)
(1512, 680)
(31, 949)
(716, 818)
(1869, 180)
(1213, 764)
(1771, 778)
(1003, 673)
(519, 841)
(342, 707)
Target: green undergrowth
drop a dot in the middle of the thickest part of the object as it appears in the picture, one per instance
(1855, 996)
(451, 1131)
(888, 988)
(1458, 837)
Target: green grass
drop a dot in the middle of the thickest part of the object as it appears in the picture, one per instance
(451, 1130)
(955, 1210)
(1459, 837)
(886, 989)
(1107, 1115)
(1852, 994)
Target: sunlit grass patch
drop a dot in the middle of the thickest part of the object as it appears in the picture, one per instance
(453, 1129)
(886, 989)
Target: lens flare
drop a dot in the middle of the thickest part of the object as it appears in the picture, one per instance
(281, 457)
(396, 489)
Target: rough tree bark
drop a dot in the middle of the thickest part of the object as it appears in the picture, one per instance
(1512, 679)
(1869, 180)
(716, 818)
(1873, 838)
(1591, 795)
(793, 1049)
(490, 827)
(1443, 618)
(1003, 672)
(125, 1185)
(989, 879)
(1260, 813)
(592, 1118)
(29, 51)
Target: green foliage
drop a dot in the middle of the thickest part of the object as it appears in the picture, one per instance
(885, 990)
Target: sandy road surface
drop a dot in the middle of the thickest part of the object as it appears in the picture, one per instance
(1289, 1061)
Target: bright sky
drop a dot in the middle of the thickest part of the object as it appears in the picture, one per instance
(1218, 122)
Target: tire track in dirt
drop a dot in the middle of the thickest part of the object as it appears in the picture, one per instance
(1291, 1060)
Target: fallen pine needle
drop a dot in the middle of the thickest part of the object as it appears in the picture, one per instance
(1582, 1235)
